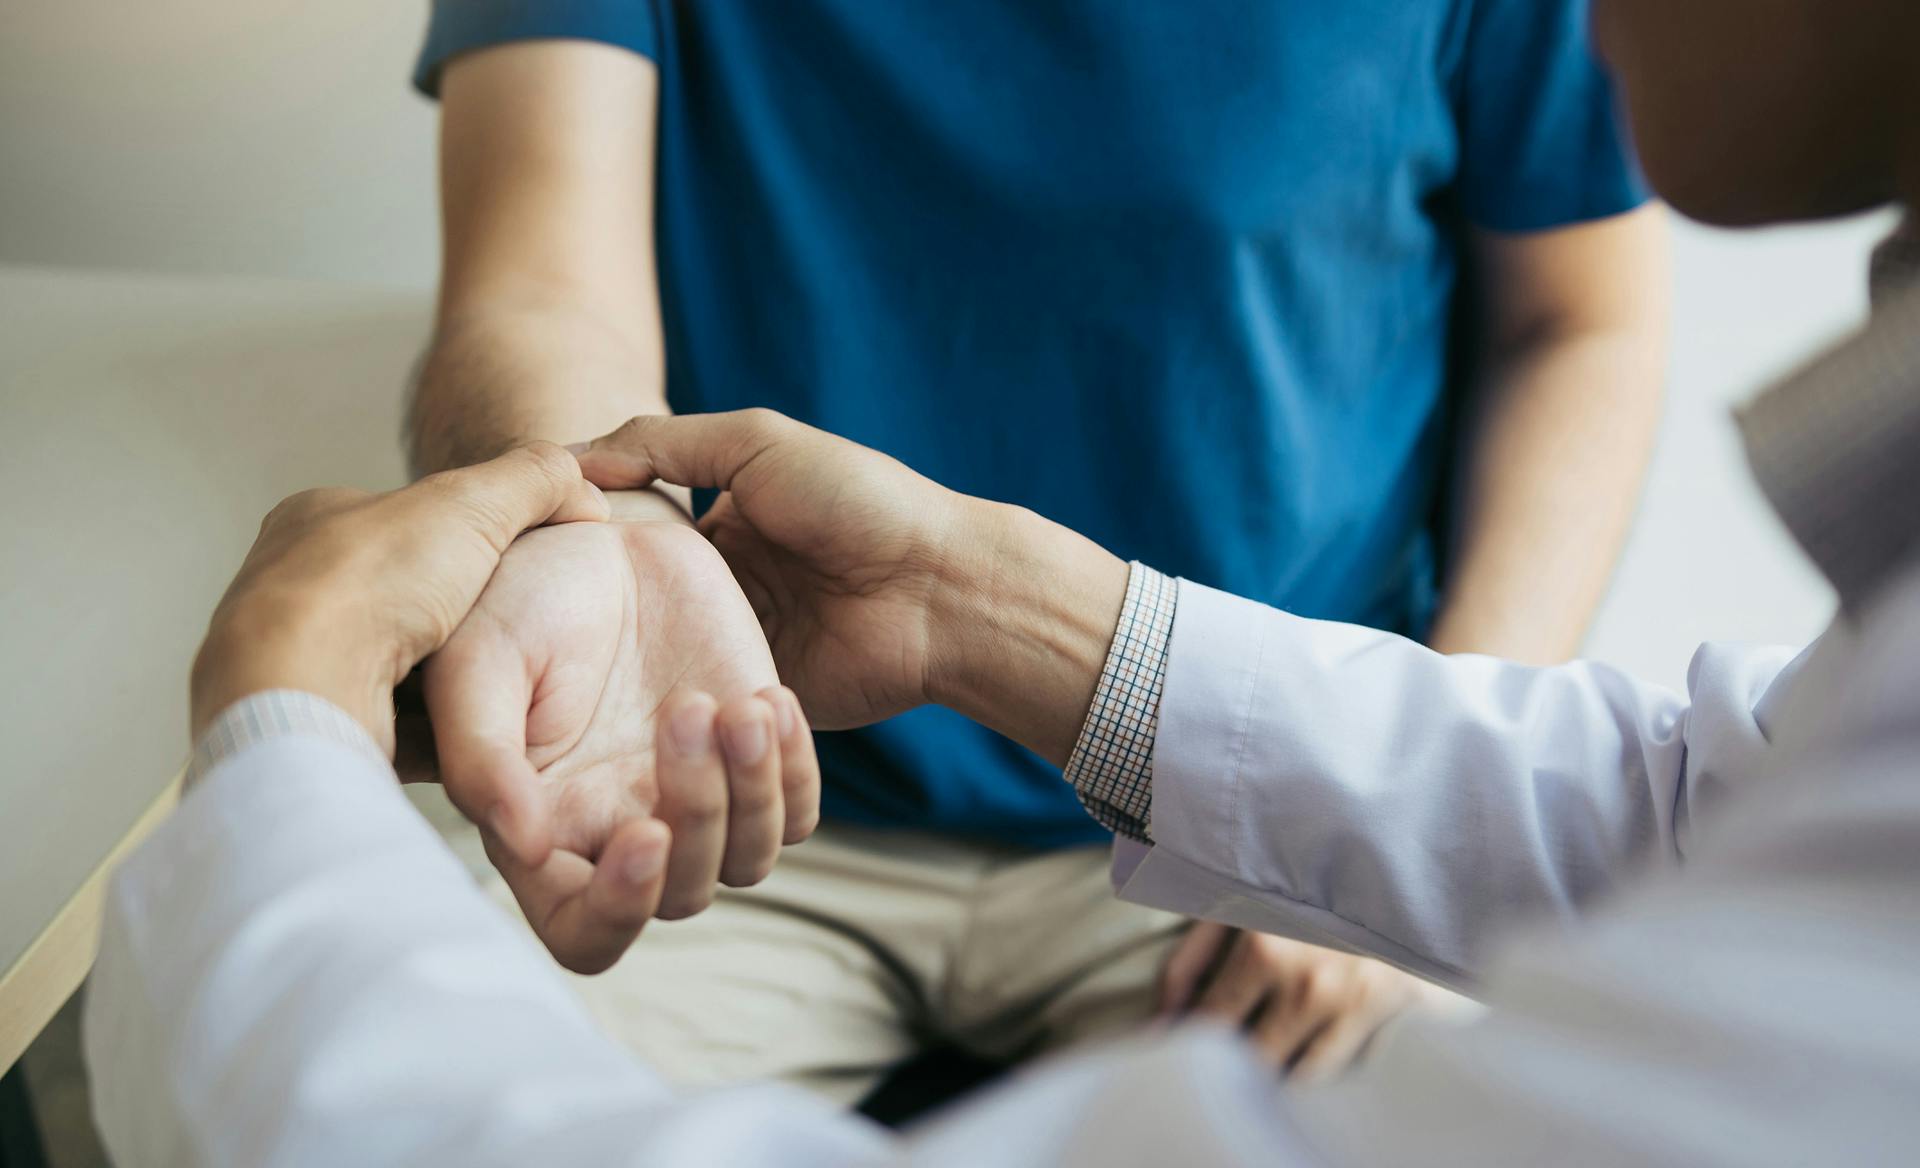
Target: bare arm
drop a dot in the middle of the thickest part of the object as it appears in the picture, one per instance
(549, 315)
(549, 327)
(1559, 433)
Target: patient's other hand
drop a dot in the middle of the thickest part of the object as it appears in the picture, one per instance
(1308, 1011)
(609, 674)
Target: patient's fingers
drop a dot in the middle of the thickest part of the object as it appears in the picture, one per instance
(693, 802)
(478, 692)
(1198, 951)
(1331, 1051)
(587, 914)
(756, 811)
(799, 765)
(1237, 987)
(1285, 1028)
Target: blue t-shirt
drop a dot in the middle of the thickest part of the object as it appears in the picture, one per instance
(1180, 274)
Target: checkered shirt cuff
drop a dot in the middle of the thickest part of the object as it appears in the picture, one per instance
(1112, 763)
(271, 714)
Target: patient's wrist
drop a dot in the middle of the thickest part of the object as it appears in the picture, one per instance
(1021, 632)
(655, 504)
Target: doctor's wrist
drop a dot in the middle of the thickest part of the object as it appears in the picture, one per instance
(285, 643)
(1019, 635)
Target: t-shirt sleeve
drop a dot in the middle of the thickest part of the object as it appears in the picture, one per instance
(458, 26)
(1543, 140)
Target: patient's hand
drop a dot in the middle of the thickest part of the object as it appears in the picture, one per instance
(1309, 1011)
(610, 673)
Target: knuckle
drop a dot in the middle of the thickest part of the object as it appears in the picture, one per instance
(633, 431)
(761, 426)
(798, 782)
(551, 460)
(701, 805)
(303, 504)
(298, 503)
(753, 796)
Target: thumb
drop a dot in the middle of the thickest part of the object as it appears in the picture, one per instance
(478, 694)
(692, 450)
(528, 486)
(587, 913)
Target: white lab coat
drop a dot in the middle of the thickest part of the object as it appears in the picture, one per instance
(1695, 919)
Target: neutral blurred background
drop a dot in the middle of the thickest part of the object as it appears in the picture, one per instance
(278, 138)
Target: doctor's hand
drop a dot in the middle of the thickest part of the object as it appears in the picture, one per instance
(880, 590)
(610, 675)
(345, 591)
(1308, 1011)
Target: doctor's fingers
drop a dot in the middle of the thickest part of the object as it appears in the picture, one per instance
(689, 450)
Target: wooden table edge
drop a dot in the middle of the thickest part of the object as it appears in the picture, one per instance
(53, 966)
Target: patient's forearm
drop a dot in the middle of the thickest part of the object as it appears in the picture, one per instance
(495, 377)
(1557, 431)
(1556, 452)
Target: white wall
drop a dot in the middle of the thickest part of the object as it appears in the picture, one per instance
(280, 137)
(1707, 560)
(268, 136)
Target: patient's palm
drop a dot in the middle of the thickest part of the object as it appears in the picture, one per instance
(584, 631)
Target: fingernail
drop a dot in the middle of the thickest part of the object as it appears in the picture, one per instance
(747, 741)
(578, 448)
(692, 730)
(786, 708)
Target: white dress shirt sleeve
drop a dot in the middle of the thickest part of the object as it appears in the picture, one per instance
(1353, 788)
(295, 971)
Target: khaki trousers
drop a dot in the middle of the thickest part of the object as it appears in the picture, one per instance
(864, 946)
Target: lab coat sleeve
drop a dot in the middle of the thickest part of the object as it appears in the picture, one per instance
(295, 971)
(1353, 788)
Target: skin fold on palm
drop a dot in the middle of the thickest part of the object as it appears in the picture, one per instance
(561, 695)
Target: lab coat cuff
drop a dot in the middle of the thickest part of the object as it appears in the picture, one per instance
(1214, 663)
(277, 713)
